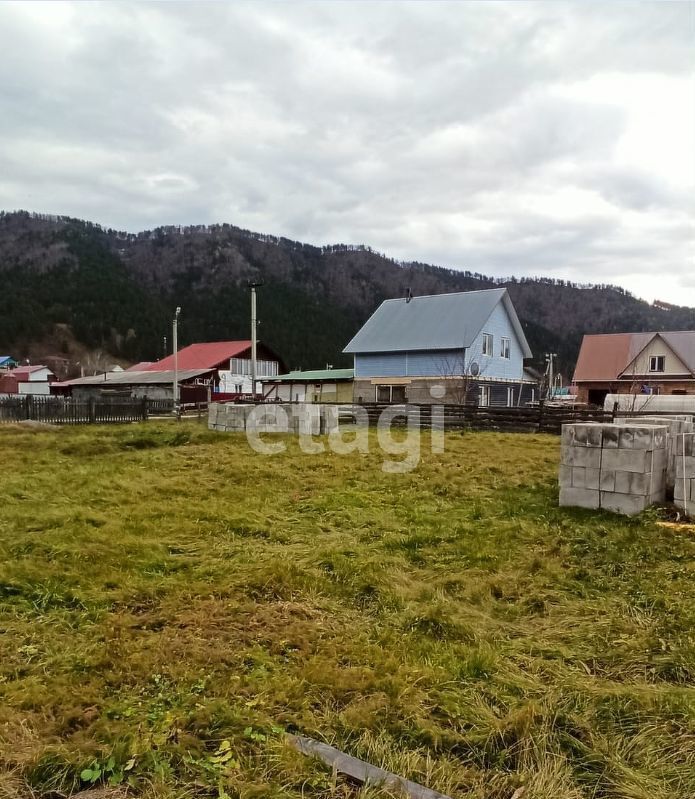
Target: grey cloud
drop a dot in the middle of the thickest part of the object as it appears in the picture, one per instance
(432, 131)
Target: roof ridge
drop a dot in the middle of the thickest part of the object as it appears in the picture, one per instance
(444, 294)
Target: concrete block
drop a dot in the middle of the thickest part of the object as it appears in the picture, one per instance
(648, 437)
(632, 483)
(579, 498)
(306, 418)
(685, 489)
(330, 418)
(584, 434)
(588, 457)
(565, 477)
(625, 460)
(611, 436)
(626, 504)
(607, 479)
(685, 466)
(685, 443)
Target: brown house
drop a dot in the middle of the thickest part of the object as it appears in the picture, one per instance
(635, 363)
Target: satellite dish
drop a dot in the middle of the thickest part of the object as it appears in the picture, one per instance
(475, 369)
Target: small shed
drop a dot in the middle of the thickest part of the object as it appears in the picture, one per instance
(194, 383)
(319, 385)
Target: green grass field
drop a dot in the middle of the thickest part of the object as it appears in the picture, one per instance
(171, 604)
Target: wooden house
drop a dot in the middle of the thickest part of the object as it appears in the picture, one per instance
(452, 348)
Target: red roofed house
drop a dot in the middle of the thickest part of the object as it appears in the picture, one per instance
(635, 363)
(27, 380)
(231, 360)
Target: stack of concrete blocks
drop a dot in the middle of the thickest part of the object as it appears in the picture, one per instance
(677, 425)
(302, 418)
(684, 492)
(621, 468)
(228, 417)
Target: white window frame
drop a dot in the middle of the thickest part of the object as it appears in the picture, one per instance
(654, 362)
(488, 344)
(506, 348)
(484, 396)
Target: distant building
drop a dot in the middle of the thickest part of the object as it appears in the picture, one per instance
(195, 384)
(231, 361)
(27, 380)
(635, 363)
(452, 348)
(321, 385)
(7, 362)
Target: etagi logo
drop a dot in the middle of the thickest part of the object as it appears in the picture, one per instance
(344, 430)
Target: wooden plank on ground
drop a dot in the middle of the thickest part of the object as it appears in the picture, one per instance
(360, 770)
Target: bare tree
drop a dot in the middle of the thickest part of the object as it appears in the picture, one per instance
(460, 373)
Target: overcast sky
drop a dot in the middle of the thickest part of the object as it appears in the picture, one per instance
(507, 138)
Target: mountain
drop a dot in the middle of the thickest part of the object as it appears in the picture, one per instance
(67, 283)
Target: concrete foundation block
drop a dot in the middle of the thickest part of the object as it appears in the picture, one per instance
(633, 483)
(586, 434)
(607, 479)
(330, 418)
(625, 460)
(626, 504)
(587, 457)
(685, 466)
(579, 498)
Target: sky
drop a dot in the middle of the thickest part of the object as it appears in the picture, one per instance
(508, 138)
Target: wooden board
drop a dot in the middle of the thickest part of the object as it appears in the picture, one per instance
(360, 770)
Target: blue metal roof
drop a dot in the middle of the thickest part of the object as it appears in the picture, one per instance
(433, 322)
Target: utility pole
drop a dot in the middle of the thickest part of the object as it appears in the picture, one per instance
(254, 335)
(175, 340)
(550, 371)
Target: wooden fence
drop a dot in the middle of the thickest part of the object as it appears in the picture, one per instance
(539, 419)
(66, 410)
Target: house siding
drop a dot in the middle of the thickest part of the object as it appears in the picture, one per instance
(440, 363)
(494, 366)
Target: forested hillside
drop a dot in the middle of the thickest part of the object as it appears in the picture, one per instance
(116, 291)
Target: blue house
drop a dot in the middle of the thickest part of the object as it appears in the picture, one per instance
(452, 348)
(7, 362)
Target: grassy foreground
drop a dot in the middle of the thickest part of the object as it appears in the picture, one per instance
(171, 604)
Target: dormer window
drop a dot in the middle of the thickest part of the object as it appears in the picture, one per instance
(487, 343)
(657, 363)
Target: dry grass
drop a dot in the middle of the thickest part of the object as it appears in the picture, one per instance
(164, 591)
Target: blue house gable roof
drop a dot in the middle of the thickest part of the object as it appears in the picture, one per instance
(434, 322)
(7, 360)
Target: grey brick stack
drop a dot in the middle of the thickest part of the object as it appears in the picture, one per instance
(684, 492)
(304, 417)
(676, 425)
(621, 468)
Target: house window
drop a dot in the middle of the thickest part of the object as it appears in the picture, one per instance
(383, 393)
(390, 394)
(484, 396)
(505, 349)
(510, 397)
(657, 363)
(487, 343)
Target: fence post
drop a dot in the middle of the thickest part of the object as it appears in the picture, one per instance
(30, 407)
(92, 410)
(144, 409)
(615, 412)
(541, 403)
